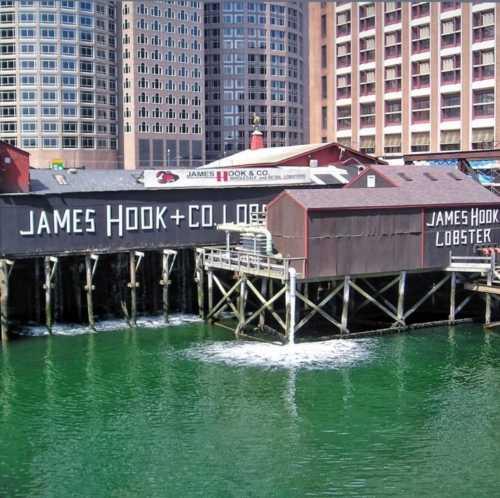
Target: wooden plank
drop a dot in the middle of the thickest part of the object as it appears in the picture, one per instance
(481, 288)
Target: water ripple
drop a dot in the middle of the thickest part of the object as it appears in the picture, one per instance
(314, 355)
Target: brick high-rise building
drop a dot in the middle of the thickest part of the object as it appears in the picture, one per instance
(255, 62)
(58, 88)
(397, 77)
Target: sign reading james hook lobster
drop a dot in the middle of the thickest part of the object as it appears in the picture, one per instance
(227, 177)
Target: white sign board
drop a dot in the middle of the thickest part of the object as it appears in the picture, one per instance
(227, 177)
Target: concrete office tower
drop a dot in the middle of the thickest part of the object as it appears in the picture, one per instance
(255, 62)
(58, 80)
(397, 77)
(163, 87)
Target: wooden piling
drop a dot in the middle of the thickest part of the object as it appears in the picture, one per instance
(50, 265)
(133, 284)
(241, 305)
(401, 296)
(262, 316)
(345, 305)
(210, 283)
(167, 266)
(5, 269)
(200, 280)
(89, 287)
(453, 286)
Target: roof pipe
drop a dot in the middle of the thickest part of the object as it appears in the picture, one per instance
(233, 227)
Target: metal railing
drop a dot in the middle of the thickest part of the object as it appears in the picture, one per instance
(473, 263)
(252, 262)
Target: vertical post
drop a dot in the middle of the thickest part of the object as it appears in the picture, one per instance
(271, 293)
(306, 294)
(345, 304)
(453, 287)
(401, 295)
(200, 280)
(165, 279)
(291, 305)
(241, 304)
(4, 299)
(133, 284)
(50, 264)
(487, 311)
(133, 289)
(89, 287)
(263, 291)
(210, 283)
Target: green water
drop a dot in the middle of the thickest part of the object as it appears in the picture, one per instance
(184, 412)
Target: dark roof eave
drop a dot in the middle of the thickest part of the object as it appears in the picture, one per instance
(464, 154)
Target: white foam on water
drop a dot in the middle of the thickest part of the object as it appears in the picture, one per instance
(331, 354)
(108, 325)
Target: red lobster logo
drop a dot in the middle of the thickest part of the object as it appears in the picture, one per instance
(166, 177)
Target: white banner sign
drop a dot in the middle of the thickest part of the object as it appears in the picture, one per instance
(227, 177)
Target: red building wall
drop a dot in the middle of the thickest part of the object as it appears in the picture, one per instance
(14, 169)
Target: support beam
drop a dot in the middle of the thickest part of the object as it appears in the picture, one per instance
(5, 271)
(291, 285)
(168, 260)
(426, 296)
(263, 292)
(401, 296)
(345, 305)
(267, 304)
(50, 266)
(210, 282)
(453, 289)
(386, 287)
(200, 280)
(317, 308)
(241, 304)
(90, 267)
(135, 259)
(225, 300)
(487, 311)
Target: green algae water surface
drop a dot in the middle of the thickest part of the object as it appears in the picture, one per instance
(187, 412)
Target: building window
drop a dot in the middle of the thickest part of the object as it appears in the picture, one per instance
(324, 118)
(366, 17)
(450, 140)
(392, 14)
(324, 87)
(483, 25)
(343, 86)
(392, 144)
(483, 138)
(450, 106)
(323, 25)
(483, 62)
(367, 145)
(392, 112)
(344, 54)
(421, 38)
(420, 9)
(367, 49)
(392, 78)
(420, 74)
(344, 117)
(453, 5)
(344, 23)
(421, 108)
(392, 44)
(367, 115)
(450, 32)
(483, 103)
(324, 58)
(367, 82)
(450, 69)
(420, 141)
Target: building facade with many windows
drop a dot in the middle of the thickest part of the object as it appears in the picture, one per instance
(163, 83)
(58, 80)
(255, 63)
(397, 77)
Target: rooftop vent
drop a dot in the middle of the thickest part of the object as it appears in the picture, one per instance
(61, 179)
(455, 177)
(404, 176)
(430, 177)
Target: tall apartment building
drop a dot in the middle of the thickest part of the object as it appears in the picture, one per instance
(255, 62)
(58, 86)
(163, 83)
(397, 77)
